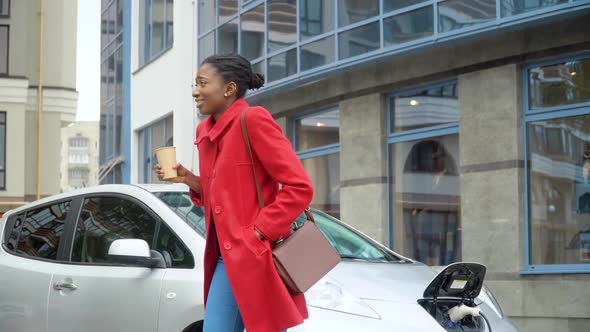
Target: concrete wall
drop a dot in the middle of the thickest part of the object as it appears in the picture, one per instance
(488, 70)
(164, 86)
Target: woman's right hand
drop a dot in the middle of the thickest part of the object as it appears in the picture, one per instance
(183, 174)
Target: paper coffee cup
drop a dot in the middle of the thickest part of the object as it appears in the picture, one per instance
(166, 159)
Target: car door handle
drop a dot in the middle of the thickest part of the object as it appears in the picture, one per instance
(64, 285)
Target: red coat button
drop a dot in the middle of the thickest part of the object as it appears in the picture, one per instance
(227, 246)
(217, 209)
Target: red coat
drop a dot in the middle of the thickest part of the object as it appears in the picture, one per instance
(228, 193)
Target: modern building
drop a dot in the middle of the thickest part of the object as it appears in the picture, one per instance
(148, 65)
(19, 79)
(448, 129)
(79, 155)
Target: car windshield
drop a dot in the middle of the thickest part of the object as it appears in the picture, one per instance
(347, 242)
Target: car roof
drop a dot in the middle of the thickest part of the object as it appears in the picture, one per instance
(104, 188)
(163, 187)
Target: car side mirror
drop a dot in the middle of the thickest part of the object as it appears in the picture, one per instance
(135, 252)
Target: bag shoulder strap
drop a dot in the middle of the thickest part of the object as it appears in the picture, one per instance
(247, 141)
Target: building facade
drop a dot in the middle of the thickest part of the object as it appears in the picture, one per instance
(450, 130)
(19, 79)
(79, 155)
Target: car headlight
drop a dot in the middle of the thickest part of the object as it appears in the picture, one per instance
(327, 294)
(486, 296)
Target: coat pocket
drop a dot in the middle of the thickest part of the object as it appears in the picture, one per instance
(256, 245)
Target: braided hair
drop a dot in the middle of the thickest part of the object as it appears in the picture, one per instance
(235, 68)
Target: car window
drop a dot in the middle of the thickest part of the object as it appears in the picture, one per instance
(11, 231)
(182, 205)
(348, 243)
(174, 251)
(106, 219)
(41, 230)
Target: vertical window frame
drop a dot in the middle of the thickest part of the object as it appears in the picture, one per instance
(7, 15)
(530, 116)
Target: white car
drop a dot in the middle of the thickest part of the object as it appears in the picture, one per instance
(129, 258)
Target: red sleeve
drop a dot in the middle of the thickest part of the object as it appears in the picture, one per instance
(194, 196)
(276, 155)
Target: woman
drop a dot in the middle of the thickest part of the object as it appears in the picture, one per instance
(242, 287)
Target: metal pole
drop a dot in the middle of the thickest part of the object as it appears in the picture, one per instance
(40, 97)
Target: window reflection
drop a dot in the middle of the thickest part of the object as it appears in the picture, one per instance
(282, 65)
(513, 7)
(390, 5)
(227, 9)
(559, 190)
(318, 53)
(206, 46)
(457, 14)
(359, 40)
(560, 84)
(426, 199)
(315, 17)
(324, 172)
(41, 231)
(252, 33)
(282, 24)
(408, 26)
(352, 11)
(429, 107)
(106, 219)
(318, 130)
(228, 37)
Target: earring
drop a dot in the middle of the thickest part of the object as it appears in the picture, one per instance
(225, 94)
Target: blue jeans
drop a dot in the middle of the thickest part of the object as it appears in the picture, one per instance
(222, 313)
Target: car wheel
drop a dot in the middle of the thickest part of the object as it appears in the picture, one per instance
(194, 327)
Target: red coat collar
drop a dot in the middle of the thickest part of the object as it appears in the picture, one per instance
(210, 128)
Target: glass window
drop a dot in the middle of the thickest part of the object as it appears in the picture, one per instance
(457, 14)
(352, 11)
(228, 37)
(106, 219)
(391, 5)
(559, 190)
(3, 49)
(2, 150)
(156, 33)
(315, 17)
(5, 8)
(282, 24)
(41, 231)
(206, 46)
(119, 8)
(324, 172)
(175, 253)
(155, 136)
(252, 29)
(12, 231)
(227, 9)
(408, 26)
(559, 84)
(182, 205)
(429, 107)
(282, 65)
(426, 199)
(348, 243)
(513, 7)
(317, 130)
(318, 53)
(207, 15)
(359, 40)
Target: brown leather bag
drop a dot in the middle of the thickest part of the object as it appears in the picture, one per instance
(304, 257)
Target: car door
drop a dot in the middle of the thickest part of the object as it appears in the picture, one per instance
(28, 257)
(96, 292)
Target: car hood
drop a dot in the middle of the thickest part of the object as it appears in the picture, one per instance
(398, 282)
